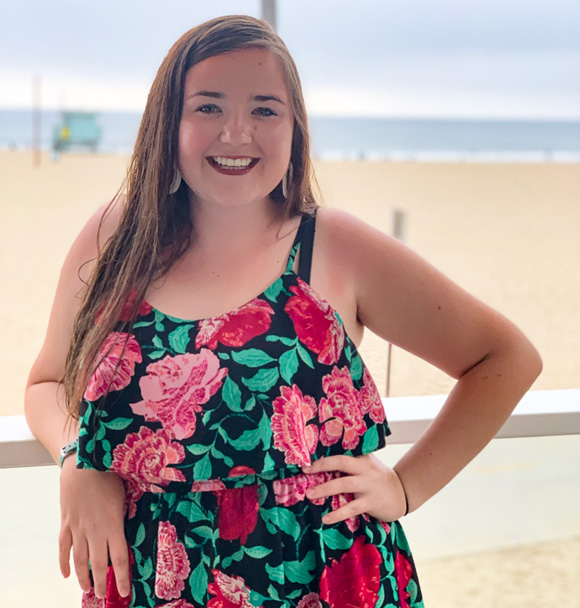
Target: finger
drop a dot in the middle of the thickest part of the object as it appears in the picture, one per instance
(341, 462)
(119, 556)
(81, 562)
(99, 565)
(351, 509)
(64, 547)
(349, 484)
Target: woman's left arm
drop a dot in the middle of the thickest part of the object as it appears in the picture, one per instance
(403, 299)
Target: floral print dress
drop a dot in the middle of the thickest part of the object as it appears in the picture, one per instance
(209, 423)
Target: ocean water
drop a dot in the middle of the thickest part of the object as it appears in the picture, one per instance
(356, 138)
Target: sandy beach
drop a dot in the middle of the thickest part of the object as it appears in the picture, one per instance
(506, 232)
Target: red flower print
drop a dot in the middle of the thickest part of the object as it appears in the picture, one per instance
(317, 325)
(354, 581)
(341, 410)
(90, 600)
(238, 508)
(370, 399)
(292, 435)
(338, 500)
(175, 388)
(145, 457)
(312, 600)
(176, 604)
(119, 353)
(237, 327)
(172, 563)
(229, 591)
(403, 572)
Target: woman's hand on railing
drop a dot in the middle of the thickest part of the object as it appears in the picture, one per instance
(92, 511)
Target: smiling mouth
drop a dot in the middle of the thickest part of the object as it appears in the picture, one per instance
(232, 165)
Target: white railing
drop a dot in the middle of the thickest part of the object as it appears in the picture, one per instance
(540, 413)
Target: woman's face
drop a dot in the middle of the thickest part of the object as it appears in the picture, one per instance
(236, 111)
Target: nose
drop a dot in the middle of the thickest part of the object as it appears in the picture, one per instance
(236, 131)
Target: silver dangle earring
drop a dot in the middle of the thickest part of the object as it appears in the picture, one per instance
(175, 183)
(287, 179)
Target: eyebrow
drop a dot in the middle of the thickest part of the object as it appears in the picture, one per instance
(217, 95)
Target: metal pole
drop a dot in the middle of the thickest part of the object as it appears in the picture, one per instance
(398, 221)
(36, 119)
(269, 12)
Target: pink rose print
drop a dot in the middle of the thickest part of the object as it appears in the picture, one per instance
(229, 591)
(341, 410)
(370, 399)
(292, 435)
(145, 457)
(316, 323)
(172, 563)
(176, 604)
(354, 581)
(291, 490)
(117, 357)
(175, 388)
(237, 327)
(312, 600)
(90, 600)
(403, 572)
(209, 485)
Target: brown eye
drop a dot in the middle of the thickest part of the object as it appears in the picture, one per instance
(265, 112)
(208, 108)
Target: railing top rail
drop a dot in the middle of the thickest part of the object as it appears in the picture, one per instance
(540, 413)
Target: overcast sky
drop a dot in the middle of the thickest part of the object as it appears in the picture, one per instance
(453, 58)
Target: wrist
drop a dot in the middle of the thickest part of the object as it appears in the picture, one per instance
(404, 491)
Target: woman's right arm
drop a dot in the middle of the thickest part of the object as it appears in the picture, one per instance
(92, 502)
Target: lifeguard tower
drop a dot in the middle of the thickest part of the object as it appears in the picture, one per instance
(77, 130)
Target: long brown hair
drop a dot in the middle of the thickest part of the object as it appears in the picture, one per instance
(155, 226)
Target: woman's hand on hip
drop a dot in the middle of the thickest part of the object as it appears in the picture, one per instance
(376, 488)
(92, 524)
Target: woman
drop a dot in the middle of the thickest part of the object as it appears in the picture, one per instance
(226, 438)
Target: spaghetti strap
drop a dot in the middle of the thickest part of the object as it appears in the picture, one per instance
(304, 241)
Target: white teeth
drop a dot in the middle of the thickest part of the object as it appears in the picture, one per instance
(231, 162)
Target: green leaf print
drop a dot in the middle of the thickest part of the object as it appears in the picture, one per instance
(265, 427)
(252, 357)
(285, 341)
(232, 395)
(348, 353)
(179, 339)
(142, 324)
(263, 381)
(273, 594)
(250, 404)
(198, 449)
(217, 454)
(370, 440)
(107, 460)
(146, 570)
(235, 557)
(356, 368)
(299, 571)
(204, 531)
(248, 440)
(284, 519)
(100, 434)
(118, 424)
(191, 511)
(156, 354)
(288, 365)
(304, 355)
(333, 539)
(90, 446)
(140, 537)
(257, 552)
(198, 583)
(157, 342)
(274, 290)
(275, 574)
(202, 468)
(257, 599)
